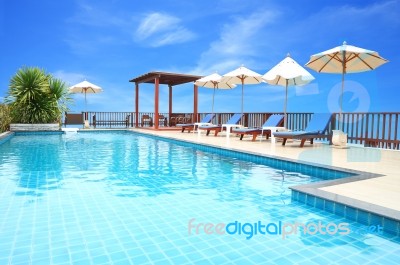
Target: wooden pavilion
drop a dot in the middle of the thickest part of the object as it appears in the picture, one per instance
(164, 78)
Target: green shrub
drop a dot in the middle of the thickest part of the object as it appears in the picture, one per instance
(5, 118)
(34, 96)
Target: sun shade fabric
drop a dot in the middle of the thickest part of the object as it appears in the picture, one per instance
(355, 59)
(288, 73)
(213, 81)
(85, 87)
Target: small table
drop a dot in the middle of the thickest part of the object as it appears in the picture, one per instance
(86, 124)
(273, 129)
(229, 127)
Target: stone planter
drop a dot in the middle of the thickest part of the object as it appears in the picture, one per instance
(40, 127)
(339, 138)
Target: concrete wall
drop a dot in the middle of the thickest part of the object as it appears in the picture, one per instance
(20, 127)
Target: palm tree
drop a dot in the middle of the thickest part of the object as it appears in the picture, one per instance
(34, 96)
(59, 92)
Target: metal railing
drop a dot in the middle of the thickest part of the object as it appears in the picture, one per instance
(109, 119)
(375, 129)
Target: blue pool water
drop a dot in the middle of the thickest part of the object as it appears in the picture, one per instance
(123, 198)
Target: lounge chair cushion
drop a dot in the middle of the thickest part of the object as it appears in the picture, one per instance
(232, 122)
(246, 130)
(206, 127)
(205, 121)
(271, 122)
(296, 133)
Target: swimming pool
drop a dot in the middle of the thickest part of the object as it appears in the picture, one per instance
(124, 198)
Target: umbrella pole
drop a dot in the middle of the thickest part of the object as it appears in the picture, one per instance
(341, 95)
(242, 96)
(212, 108)
(341, 104)
(284, 109)
(85, 107)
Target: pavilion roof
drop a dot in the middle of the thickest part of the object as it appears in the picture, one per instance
(165, 78)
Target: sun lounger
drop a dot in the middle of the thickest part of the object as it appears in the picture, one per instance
(274, 121)
(315, 129)
(231, 123)
(192, 126)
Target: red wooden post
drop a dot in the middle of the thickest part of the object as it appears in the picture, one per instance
(156, 94)
(170, 103)
(137, 104)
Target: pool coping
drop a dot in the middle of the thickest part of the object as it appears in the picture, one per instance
(5, 135)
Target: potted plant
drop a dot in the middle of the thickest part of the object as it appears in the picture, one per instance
(36, 100)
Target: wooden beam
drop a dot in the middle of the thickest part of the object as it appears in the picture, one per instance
(146, 78)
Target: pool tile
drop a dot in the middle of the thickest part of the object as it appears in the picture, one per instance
(302, 197)
(391, 226)
(363, 217)
(375, 219)
(340, 209)
(310, 200)
(351, 213)
(319, 203)
(329, 206)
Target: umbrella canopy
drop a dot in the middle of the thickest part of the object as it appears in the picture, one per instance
(85, 87)
(287, 73)
(242, 75)
(345, 59)
(213, 81)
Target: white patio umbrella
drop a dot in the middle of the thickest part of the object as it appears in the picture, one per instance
(213, 81)
(287, 73)
(345, 59)
(242, 75)
(86, 88)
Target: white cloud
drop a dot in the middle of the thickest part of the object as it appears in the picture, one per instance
(155, 23)
(179, 35)
(239, 43)
(69, 77)
(162, 29)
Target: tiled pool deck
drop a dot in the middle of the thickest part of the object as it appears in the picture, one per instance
(379, 193)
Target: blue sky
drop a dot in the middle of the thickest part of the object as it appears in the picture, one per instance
(110, 42)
